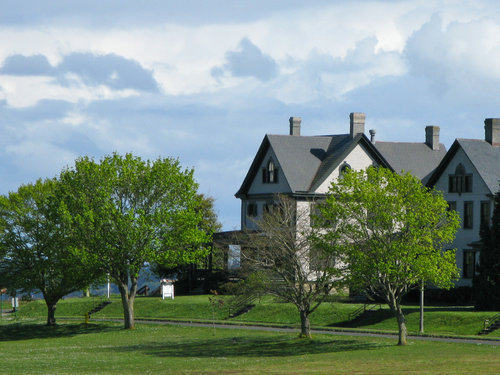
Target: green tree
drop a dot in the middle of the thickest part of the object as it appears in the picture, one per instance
(39, 254)
(209, 224)
(127, 212)
(389, 230)
(284, 255)
(487, 283)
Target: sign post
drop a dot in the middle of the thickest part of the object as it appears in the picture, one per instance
(15, 305)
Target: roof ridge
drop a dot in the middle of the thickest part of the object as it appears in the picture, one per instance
(414, 143)
(307, 136)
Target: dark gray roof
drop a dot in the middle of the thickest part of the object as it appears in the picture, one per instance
(338, 147)
(300, 157)
(306, 161)
(486, 159)
(417, 158)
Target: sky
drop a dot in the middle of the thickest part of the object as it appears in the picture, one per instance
(204, 81)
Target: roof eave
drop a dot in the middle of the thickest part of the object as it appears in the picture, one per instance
(443, 164)
(252, 172)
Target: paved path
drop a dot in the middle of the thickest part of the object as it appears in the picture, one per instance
(478, 341)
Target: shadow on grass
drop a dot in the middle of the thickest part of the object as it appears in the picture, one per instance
(366, 319)
(23, 331)
(369, 318)
(250, 347)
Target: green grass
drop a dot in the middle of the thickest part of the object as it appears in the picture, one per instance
(438, 320)
(105, 348)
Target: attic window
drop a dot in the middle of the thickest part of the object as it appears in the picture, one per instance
(343, 170)
(270, 173)
(460, 182)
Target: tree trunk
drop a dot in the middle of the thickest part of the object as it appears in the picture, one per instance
(401, 325)
(51, 312)
(305, 325)
(394, 302)
(128, 298)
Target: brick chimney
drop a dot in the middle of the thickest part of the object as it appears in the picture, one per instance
(295, 125)
(492, 131)
(357, 123)
(432, 137)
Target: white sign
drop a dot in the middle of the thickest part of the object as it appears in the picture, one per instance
(167, 291)
(15, 302)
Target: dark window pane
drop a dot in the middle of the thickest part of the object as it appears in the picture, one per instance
(468, 184)
(485, 213)
(468, 215)
(469, 264)
(455, 184)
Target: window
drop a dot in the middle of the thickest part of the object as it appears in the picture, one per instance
(345, 167)
(485, 213)
(319, 260)
(269, 207)
(252, 209)
(460, 182)
(468, 215)
(469, 264)
(452, 206)
(270, 173)
(316, 216)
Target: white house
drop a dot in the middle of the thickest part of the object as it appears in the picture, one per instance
(469, 176)
(304, 166)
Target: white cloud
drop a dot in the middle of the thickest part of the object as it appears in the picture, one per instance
(458, 58)
(27, 91)
(322, 60)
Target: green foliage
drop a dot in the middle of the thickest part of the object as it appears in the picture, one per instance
(36, 241)
(186, 273)
(393, 229)
(389, 230)
(127, 212)
(487, 283)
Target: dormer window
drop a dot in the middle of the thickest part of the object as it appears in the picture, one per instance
(270, 173)
(460, 182)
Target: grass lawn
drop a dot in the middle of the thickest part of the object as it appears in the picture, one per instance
(28, 348)
(438, 320)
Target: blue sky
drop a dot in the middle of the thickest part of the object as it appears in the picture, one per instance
(205, 80)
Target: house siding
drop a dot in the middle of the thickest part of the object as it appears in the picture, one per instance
(480, 193)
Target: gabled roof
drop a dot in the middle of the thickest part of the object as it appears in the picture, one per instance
(306, 161)
(484, 157)
(300, 157)
(339, 148)
(417, 158)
